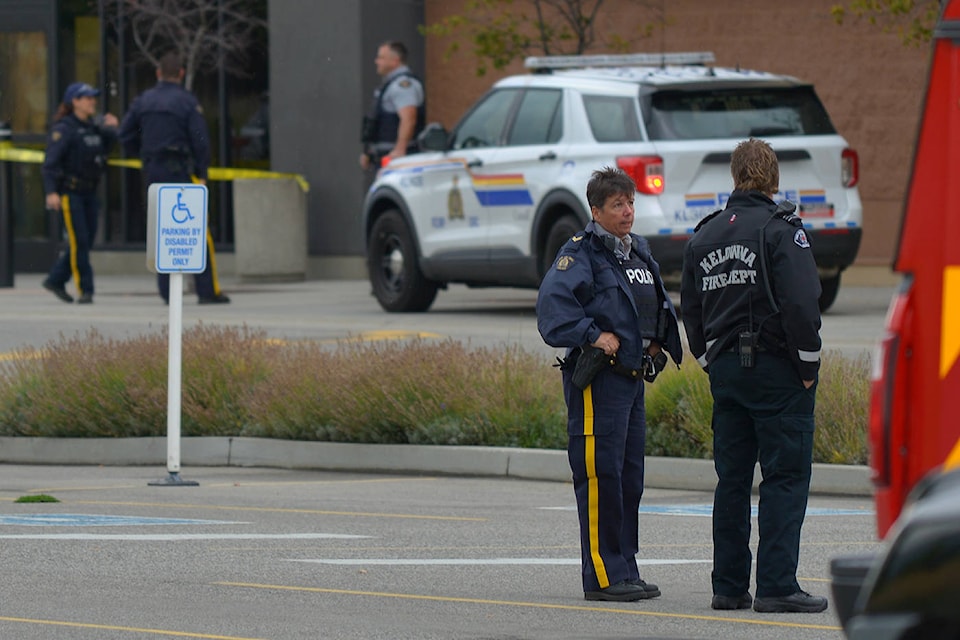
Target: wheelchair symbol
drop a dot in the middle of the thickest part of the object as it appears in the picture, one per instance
(180, 212)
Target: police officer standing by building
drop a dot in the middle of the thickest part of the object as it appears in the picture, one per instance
(75, 158)
(605, 301)
(749, 299)
(397, 113)
(165, 127)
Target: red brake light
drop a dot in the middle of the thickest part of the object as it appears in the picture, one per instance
(646, 172)
(849, 168)
(384, 161)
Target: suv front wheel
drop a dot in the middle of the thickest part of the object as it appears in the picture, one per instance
(395, 275)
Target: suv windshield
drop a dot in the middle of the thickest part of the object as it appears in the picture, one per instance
(735, 113)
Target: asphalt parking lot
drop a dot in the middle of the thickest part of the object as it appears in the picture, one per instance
(255, 553)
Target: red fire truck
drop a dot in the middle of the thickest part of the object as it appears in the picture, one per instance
(912, 588)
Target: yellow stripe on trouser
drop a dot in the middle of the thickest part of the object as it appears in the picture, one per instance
(593, 493)
(213, 265)
(71, 240)
(210, 254)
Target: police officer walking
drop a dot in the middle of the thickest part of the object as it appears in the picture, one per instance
(749, 299)
(605, 301)
(165, 127)
(397, 113)
(75, 158)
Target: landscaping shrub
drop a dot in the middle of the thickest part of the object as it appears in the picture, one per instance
(236, 382)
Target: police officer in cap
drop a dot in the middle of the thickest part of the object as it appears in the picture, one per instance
(165, 127)
(397, 112)
(604, 300)
(749, 299)
(75, 158)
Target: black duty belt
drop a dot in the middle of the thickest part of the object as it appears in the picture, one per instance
(78, 185)
(625, 371)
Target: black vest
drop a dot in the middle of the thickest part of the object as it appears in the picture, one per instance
(644, 289)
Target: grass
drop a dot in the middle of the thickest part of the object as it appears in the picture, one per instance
(37, 497)
(236, 382)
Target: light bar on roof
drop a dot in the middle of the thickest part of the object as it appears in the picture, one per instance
(621, 60)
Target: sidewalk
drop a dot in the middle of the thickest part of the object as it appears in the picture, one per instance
(530, 464)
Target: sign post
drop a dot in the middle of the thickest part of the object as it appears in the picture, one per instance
(176, 244)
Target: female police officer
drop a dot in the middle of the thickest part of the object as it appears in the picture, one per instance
(604, 296)
(76, 157)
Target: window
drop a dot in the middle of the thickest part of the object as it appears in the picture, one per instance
(538, 119)
(737, 113)
(484, 125)
(612, 118)
(23, 81)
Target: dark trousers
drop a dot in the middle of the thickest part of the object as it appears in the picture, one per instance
(207, 283)
(607, 432)
(80, 213)
(763, 413)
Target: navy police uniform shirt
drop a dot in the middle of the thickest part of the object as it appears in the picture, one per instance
(587, 291)
(76, 155)
(723, 289)
(166, 123)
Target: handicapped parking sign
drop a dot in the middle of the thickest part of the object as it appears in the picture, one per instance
(177, 228)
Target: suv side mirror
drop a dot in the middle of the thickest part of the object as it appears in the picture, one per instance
(433, 138)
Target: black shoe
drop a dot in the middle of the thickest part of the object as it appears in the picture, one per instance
(217, 299)
(86, 298)
(649, 587)
(620, 592)
(58, 291)
(731, 602)
(799, 602)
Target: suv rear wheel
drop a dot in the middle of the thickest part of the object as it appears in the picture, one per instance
(561, 231)
(395, 275)
(828, 291)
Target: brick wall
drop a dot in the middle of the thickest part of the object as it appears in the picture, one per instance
(871, 84)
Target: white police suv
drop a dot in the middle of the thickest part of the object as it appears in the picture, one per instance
(491, 203)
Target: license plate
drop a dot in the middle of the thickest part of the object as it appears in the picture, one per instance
(816, 210)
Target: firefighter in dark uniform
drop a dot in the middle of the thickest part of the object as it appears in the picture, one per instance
(165, 127)
(749, 299)
(604, 300)
(397, 112)
(75, 158)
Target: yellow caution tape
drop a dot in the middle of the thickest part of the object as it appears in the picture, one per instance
(9, 153)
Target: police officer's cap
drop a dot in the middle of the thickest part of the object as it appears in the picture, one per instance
(79, 90)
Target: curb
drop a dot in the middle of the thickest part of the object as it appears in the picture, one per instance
(528, 464)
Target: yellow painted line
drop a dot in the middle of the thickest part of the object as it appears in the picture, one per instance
(110, 627)
(530, 605)
(20, 355)
(950, 320)
(320, 512)
(240, 483)
(389, 334)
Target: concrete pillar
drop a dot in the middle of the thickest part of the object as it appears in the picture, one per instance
(270, 230)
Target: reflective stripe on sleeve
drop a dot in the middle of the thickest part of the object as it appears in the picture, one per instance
(808, 356)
